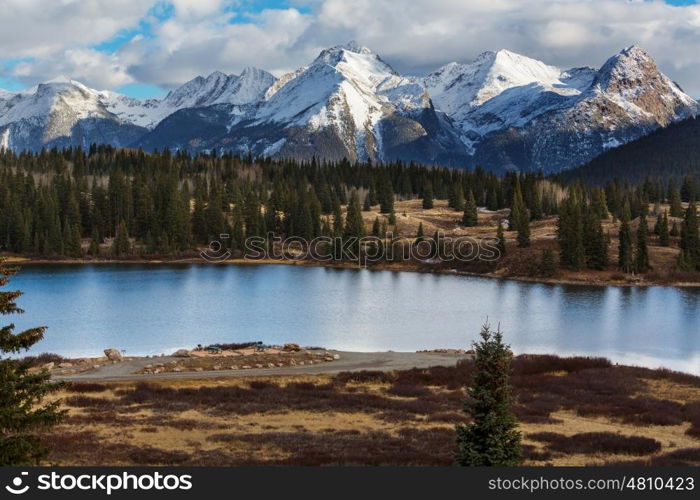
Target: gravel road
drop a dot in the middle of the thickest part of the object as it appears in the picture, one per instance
(349, 361)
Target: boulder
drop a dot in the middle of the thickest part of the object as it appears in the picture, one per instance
(336, 356)
(182, 353)
(48, 366)
(291, 348)
(65, 365)
(113, 354)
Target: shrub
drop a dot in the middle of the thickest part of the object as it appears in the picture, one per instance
(364, 377)
(81, 387)
(408, 391)
(594, 442)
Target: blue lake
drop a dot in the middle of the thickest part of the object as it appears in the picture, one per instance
(152, 309)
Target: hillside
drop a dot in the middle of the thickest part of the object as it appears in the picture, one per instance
(669, 152)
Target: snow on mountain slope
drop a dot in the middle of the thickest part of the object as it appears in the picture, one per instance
(502, 110)
(217, 88)
(628, 98)
(468, 92)
(348, 89)
(60, 112)
(515, 112)
(282, 81)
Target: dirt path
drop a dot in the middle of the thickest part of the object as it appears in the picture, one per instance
(349, 361)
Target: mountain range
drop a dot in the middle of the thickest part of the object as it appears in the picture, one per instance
(503, 111)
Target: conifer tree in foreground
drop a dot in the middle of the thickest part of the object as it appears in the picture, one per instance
(22, 413)
(492, 437)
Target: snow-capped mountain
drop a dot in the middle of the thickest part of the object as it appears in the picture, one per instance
(217, 88)
(503, 111)
(59, 113)
(518, 113)
(347, 103)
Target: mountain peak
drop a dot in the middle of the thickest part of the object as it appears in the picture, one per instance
(632, 66)
(60, 79)
(333, 55)
(216, 75)
(635, 51)
(353, 46)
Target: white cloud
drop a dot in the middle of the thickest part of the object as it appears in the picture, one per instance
(42, 28)
(413, 35)
(188, 9)
(183, 48)
(97, 69)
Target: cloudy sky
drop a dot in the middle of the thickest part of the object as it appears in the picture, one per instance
(145, 47)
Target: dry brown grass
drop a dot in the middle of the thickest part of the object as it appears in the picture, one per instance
(373, 418)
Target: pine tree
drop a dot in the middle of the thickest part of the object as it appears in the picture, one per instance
(548, 266)
(675, 232)
(524, 231)
(337, 218)
(536, 212)
(572, 251)
(641, 256)
(470, 218)
(121, 245)
(657, 224)
(690, 238)
(599, 204)
(95, 243)
(520, 217)
(595, 241)
(419, 234)
(392, 218)
(492, 437)
(354, 226)
(664, 237)
(22, 411)
(492, 202)
(676, 206)
(624, 260)
(376, 229)
(428, 202)
(386, 200)
(501, 243)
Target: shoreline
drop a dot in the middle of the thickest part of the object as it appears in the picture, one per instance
(27, 261)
